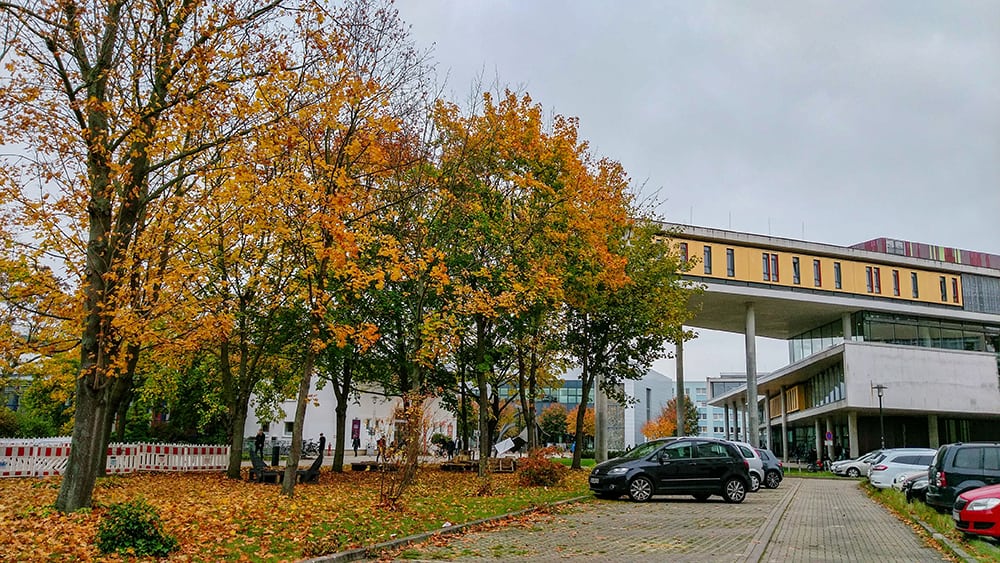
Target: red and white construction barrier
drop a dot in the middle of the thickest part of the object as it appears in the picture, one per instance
(27, 458)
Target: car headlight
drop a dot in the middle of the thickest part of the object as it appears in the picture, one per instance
(618, 470)
(983, 504)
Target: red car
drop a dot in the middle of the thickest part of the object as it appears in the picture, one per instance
(978, 511)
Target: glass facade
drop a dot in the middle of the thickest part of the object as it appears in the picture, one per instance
(827, 386)
(899, 329)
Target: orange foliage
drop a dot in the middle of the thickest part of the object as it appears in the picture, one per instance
(588, 421)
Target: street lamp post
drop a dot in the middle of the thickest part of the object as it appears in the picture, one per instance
(881, 421)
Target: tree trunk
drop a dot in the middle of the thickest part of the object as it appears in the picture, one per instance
(586, 380)
(481, 382)
(237, 422)
(342, 390)
(292, 465)
(86, 456)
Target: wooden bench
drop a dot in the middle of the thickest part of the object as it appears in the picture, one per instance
(260, 473)
(372, 466)
(311, 475)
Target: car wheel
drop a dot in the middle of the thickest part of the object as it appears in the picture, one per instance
(734, 491)
(853, 472)
(772, 480)
(640, 489)
(754, 483)
(701, 496)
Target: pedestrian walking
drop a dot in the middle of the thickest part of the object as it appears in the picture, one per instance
(258, 443)
(356, 443)
(322, 444)
(449, 447)
(380, 453)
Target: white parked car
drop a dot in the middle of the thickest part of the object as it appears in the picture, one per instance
(854, 467)
(886, 467)
(756, 464)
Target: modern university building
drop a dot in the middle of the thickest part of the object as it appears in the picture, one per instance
(889, 340)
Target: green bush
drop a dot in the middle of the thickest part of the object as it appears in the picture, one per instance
(537, 470)
(8, 423)
(134, 528)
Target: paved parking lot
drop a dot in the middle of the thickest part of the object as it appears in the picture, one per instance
(803, 520)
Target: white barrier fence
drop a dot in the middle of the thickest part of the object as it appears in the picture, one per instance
(49, 456)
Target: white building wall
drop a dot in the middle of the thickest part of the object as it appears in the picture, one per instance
(372, 412)
(924, 379)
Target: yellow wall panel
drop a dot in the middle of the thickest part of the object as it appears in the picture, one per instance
(749, 267)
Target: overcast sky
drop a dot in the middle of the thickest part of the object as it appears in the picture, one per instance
(833, 122)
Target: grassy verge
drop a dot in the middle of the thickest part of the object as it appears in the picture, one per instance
(568, 461)
(895, 501)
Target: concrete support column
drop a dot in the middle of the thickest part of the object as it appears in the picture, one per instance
(784, 425)
(848, 328)
(725, 420)
(747, 430)
(829, 428)
(679, 370)
(767, 422)
(753, 425)
(737, 421)
(932, 431)
(818, 440)
(852, 434)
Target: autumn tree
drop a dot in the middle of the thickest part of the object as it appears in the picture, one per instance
(573, 425)
(119, 108)
(617, 330)
(554, 422)
(666, 423)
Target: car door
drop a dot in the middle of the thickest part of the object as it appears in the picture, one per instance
(675, 468)
(711, 463)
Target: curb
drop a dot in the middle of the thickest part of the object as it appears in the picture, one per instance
(374, 550)
(944, 541)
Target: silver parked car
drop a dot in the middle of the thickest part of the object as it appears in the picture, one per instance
(893, 462)
(756, 465)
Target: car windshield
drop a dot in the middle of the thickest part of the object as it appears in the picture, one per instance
(643, 450)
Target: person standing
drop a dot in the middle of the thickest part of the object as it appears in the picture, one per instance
(356, 443)
(380, 446)
(449, 447)
(258, 443)
(322, 444)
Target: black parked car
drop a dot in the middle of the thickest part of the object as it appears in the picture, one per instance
(956, 468)
(774, 470)
(682, 466)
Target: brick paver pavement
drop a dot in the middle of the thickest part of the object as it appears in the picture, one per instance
(832, 520)
(803, 520)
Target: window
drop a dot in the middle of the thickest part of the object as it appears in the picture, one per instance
(944, 289)
(708, 260)
(796, 274)
(730, 262)
(817, 276)
(868, 278)
(774, 267)
(649, 401)
(289, 426)
(877, 278)
(895, 283)
(913, 282)
(969, 458)
(766, 266)
(836, 276)
(954, 289)
(684, 251)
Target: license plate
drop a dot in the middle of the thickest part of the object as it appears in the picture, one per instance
(954, 514)
(594, 480)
